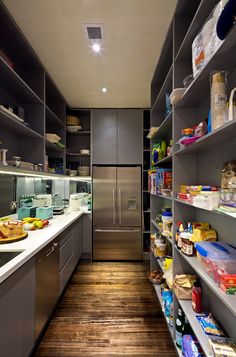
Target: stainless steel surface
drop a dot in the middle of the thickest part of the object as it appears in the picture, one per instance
(116, 230)
(6, 193)
(113, 207)
(104, 184)
(7, 256)
(117, 213)
(47, 284)
(112, 244)
(129, 186)
(119, 207)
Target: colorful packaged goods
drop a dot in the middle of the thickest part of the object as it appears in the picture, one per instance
(210, 326)
(158, 151)
(164, 181)
(223, 347)
(191, 347)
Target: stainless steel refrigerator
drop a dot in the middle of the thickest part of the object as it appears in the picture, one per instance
(117, 217)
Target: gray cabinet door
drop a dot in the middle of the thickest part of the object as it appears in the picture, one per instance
(17, 299)
(78, 240)
(130, 136)
(104, 136)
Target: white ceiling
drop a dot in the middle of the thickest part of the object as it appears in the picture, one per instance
(134, 31)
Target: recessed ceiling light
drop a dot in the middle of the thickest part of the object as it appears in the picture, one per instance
(96, 47)
(104, 90)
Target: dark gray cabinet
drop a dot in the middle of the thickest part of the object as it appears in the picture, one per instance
(129, 136)
(117, 136)
(104, 136)
(17, 297)
(71, 241)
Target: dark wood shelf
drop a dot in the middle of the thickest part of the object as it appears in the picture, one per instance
(12, 125)
(52, 146)
(52, 119)
(15, 85)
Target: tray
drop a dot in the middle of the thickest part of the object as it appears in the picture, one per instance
(13, 239)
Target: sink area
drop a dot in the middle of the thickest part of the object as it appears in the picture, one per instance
(5, 257)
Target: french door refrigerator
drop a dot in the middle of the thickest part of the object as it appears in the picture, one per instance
(117, 217)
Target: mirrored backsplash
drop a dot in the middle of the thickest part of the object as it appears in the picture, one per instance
(14, 188)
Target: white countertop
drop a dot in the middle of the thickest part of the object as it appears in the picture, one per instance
(36, 240)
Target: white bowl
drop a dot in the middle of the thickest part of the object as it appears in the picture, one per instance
(83, 171)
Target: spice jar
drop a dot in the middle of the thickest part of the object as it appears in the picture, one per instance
(187, 247)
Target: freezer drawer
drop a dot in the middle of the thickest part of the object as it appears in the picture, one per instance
(117, 244)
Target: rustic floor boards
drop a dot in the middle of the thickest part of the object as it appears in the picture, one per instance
(108, 309)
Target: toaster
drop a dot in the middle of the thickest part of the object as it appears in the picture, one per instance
(24, 212)
(44, 212)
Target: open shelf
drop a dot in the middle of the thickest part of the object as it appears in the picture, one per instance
(161, 196)
(52, 146)
(158, 292)
(80, 132)
(164, 161)
(186, 306)
(160, 230)
(52, 119)
(228, 300)
(15, 85)
(77, 154)
(200, 87)
(205, 209)
(11, 124)
(204, 8)
(159, 104)
(165, 127)
(218, 136)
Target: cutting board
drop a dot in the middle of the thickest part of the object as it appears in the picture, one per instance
(13, 239)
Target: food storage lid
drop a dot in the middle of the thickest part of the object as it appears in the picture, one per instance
(167, 214)
(216, 250)
(185, 235)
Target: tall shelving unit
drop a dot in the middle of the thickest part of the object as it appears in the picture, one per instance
(146, 194)
(200, 163)
(25, 83)
(79, 140)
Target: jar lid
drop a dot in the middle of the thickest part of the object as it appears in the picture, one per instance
(167, 214)
(185, 235)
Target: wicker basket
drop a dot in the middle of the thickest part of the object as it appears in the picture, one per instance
(72, 120)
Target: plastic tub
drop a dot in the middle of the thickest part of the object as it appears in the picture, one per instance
(217, 259)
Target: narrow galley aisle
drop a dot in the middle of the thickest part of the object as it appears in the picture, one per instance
(108, 309)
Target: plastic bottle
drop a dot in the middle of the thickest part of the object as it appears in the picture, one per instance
(197, 297)
(181, 230)
(179, 324)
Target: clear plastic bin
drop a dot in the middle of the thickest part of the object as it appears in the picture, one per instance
(217, 258)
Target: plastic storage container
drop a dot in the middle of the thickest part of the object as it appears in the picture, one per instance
(217, 258)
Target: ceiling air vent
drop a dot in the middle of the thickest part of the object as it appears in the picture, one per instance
(94, 31)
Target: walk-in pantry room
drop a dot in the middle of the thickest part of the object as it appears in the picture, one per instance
(117, 178)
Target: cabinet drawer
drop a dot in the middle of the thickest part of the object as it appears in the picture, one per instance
(66, 272)
(66, 250)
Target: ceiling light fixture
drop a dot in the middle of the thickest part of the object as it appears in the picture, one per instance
(104, 90)
(96, 48)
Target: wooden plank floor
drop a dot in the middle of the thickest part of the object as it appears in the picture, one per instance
(108, 309)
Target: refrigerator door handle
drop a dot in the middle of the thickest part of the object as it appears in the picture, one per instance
(120, 221)
(117, 230)
(113, 207)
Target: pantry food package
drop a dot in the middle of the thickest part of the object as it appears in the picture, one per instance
(228, 178)
(222, 347)
(183, 286)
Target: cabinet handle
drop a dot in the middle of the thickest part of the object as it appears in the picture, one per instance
(120, 214)
(50, 251)
(113, 206)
